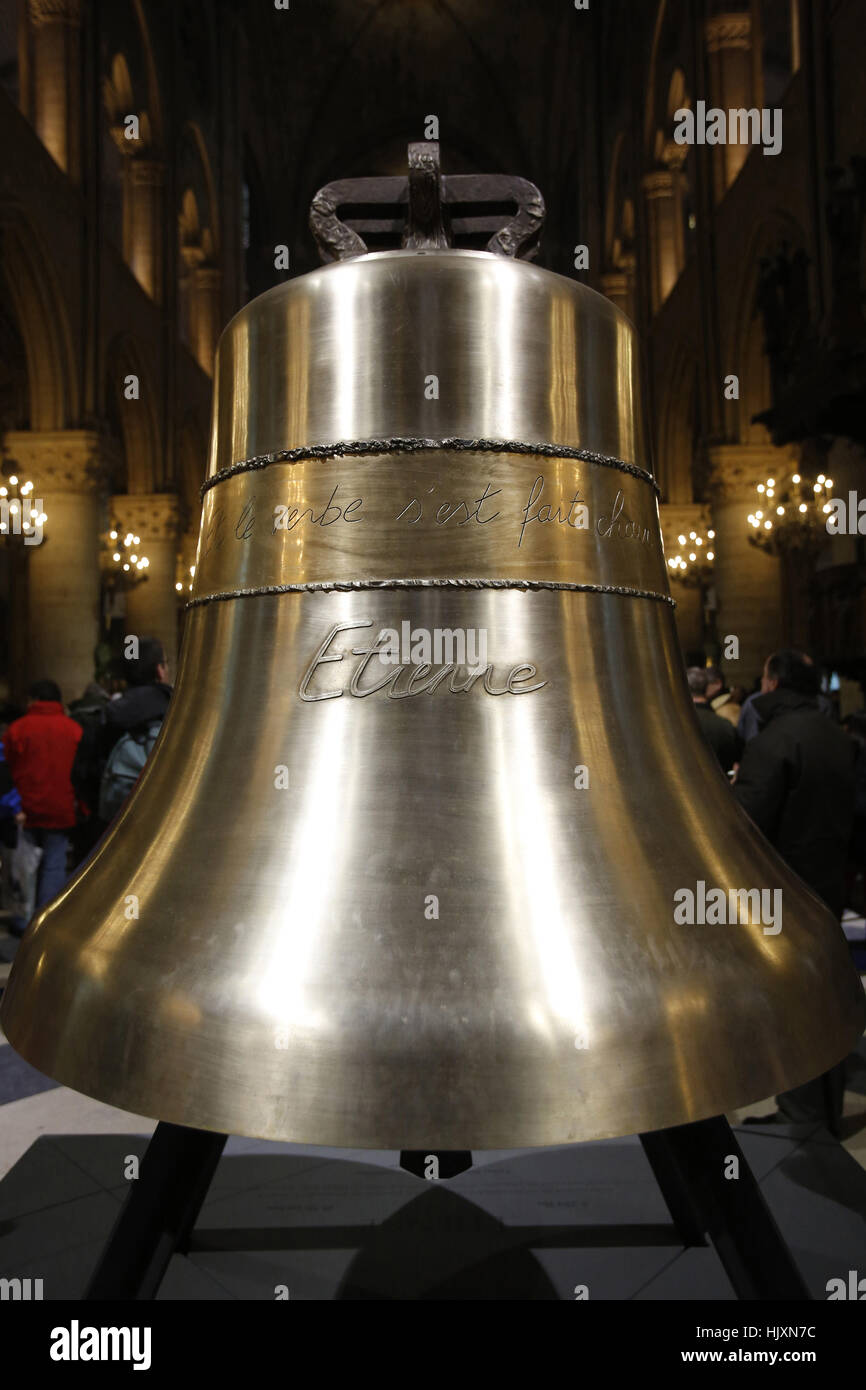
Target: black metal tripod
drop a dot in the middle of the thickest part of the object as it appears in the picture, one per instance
(706, 1194)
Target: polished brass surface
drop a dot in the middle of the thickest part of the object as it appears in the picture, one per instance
(366, 904)
(344, 353)
(431, 515)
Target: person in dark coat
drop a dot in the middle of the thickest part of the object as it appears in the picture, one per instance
(89, 712)
(796, 781)
(749, 722)
(796, 778)
(855, 727)
(719, 733)
(143, 704)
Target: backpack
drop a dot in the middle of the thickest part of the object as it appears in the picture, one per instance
(123, 769)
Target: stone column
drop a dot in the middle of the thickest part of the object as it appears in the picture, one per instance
(151, 607)
(207, 282)
(728, 39)
(618, 287)
(146, 181)
(67, 467)
(679, 519)
(664, 235)
(748, 584)
(56, 26)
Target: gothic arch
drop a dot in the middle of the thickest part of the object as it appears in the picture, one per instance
(666, 60)
(678, 427)
(191, 469)
(197, 249)
(42, 322)
(154, 98)
(328, 112)
(195, 173)
(136, 419)
(619, 224)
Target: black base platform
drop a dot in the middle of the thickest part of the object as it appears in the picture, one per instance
(709, 1189)
(308, 1223)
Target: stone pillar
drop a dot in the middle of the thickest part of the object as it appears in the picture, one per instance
(56, 26)
(689, 618)
(151, 607)
(618, 287)
(67, 467)
(145, 192)
(679, 519)
(207, 282)
(665, 236)
(728, 39)
(748, 585)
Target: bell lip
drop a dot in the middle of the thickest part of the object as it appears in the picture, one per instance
(475, 1142)
(443, 253)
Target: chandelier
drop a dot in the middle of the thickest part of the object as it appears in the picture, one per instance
(791, 514)
(21, 514)
(181, 583)
(692, 563)
(123, 564)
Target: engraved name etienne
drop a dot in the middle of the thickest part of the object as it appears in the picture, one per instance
(420, 678)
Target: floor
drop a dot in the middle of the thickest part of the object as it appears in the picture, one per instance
(288, 1222)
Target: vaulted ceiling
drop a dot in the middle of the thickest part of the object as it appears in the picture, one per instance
(341, 86)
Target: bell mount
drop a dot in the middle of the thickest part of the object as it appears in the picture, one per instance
(427, 210)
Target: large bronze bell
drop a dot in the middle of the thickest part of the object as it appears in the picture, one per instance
(407, 865)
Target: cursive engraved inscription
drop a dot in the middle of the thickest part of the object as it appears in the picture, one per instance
(245, 523)
(287, 518)
(448, 511)
(420, 678)
(622, 527)
(576, 516)
(211, 538)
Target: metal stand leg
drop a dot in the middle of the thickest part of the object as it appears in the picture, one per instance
(673, 1187)
(159, 1214)
(689, 1163)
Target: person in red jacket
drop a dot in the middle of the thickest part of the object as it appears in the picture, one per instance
(40, 750)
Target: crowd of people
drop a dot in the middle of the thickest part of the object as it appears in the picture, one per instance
(798, 773)
(64, 775)
(801, 777)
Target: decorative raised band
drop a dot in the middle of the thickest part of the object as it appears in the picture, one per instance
(361, 585)
(360, 448)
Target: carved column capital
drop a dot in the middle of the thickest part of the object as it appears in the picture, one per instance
(733, 30)
(658, 183)
(735, 469)
(208, 277)
(615, 284)
(674, 156)
(55, 12)
(72, 461)
(618, 286)
(147, 172)
(154, 516)
(681, 517)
